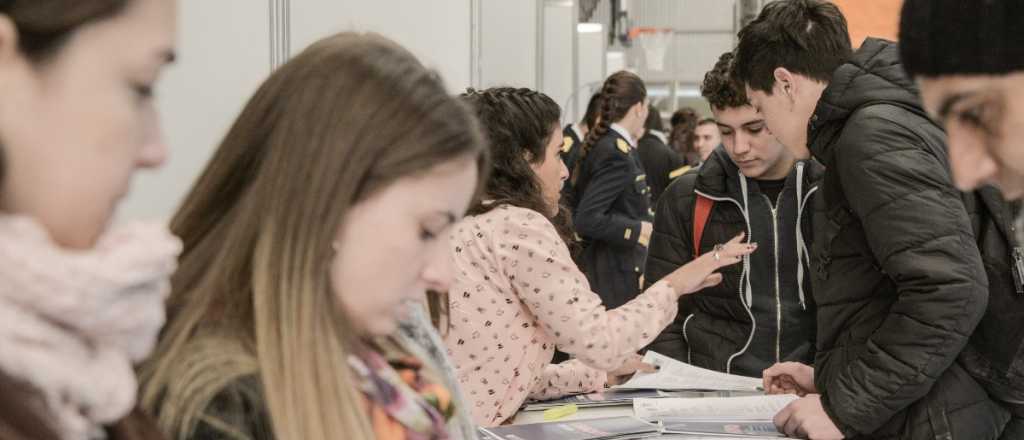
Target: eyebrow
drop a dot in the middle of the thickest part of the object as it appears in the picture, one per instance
(744, 125)
(949, 101)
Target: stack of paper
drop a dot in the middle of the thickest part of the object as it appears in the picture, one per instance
(675, 375)
(722, 428)
(612, 428)
(750, 408)
(731, 417)
(624, 397)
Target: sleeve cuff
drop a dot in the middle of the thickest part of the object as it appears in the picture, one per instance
(846, 430)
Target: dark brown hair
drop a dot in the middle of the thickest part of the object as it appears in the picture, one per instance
(653, 121)
(620, 92)
(518, 124)
(44, 25)
(593, 111)
(684, 133)
(807, 37)
(719, 88)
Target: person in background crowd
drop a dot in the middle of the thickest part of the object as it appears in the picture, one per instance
(898, 279)
(613, 202)
(707, 138)
(574, 134)
(661, 163)
(683, 135)
(763, 313)
(517, 294)
(319, 221)
(81, 299)
(969, 63)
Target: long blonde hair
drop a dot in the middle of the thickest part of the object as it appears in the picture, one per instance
(345, 118)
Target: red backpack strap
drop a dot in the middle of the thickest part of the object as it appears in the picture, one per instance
(701, 212)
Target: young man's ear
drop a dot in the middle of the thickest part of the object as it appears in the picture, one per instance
(784, 80)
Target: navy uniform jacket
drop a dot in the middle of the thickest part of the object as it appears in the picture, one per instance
(612, 201)
(662, 163)
(571, 144)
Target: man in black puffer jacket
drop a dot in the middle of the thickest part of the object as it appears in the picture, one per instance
(728, 327)
(898, 278)
(969, 63)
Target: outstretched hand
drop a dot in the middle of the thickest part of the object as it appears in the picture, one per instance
(701, 273)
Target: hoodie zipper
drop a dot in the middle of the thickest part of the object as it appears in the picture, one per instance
(743, 275)
(778, 282)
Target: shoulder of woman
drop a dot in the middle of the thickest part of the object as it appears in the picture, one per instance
(135, 426)
(236, 411)
(520, 218)
(22, 412)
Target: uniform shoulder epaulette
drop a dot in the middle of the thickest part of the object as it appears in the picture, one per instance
(623, 145)
(566, 144)
(679, 171)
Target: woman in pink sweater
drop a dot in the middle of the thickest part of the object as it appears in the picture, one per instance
(518, 294)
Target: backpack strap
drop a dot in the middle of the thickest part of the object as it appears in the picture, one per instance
(701, 212)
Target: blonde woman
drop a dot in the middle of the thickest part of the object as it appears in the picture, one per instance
(322, 214)
(518, 295)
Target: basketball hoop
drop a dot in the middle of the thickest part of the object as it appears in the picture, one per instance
(654, 43)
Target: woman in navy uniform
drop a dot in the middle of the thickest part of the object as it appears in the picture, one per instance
(613, 210)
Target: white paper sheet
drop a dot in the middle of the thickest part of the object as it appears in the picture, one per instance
(675, 375)
(751, 408)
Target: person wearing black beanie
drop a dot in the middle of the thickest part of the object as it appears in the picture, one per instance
(968, 61)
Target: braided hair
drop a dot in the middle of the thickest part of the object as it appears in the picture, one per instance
(518, 124)
(620, 92)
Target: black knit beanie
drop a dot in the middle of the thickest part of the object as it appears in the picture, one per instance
(970, 37)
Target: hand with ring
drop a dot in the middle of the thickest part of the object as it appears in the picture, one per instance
(702, 272)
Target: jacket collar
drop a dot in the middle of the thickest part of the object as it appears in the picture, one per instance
(576, 130)
(720, 177)
(624, 134)
(873, 75)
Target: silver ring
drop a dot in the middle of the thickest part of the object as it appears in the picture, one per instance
(718, 248)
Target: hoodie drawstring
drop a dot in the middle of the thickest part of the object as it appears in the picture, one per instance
(801, 246)
(746, 216)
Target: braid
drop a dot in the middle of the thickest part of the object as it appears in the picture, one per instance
(518, 123)
(620, 91)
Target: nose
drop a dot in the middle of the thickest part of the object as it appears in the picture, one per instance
(741, 143)
(971, 164)
(153, 152)
(563, 172)
(439, 271)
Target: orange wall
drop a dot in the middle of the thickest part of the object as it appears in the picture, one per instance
(876, 18)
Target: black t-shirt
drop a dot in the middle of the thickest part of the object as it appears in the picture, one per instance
(772, 188)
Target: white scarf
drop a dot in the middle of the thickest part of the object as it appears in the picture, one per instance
(73, 323)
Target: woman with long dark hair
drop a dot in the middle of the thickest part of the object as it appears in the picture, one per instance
(517, 295)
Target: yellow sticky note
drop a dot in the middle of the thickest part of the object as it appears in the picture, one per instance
(559, 412)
